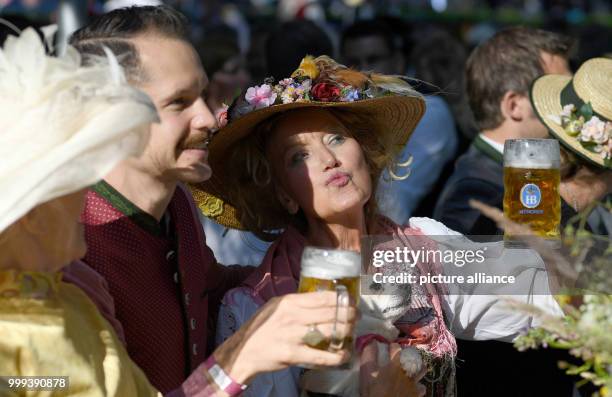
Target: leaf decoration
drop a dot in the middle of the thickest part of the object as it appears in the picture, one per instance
(586, 111)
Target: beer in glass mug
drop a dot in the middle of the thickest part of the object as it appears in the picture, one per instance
(332, 270)
(531, 185)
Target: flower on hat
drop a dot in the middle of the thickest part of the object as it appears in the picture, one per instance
(350, 95)
(260, 96)
(593, 133)
(607, 150)
(594, 130)
(221, 116)
(318, 79)
(212, 206)
(326, 92)
(292, 91)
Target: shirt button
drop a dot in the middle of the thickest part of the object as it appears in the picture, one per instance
(170, 255)
(176, 277)
(195, 349)
(193, 323)
(187, 299)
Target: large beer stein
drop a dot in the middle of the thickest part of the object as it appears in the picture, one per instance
(331, 270)
(531, 185)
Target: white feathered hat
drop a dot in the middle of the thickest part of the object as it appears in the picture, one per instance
(63, 126)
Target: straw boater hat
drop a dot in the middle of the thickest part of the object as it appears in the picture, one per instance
(62, 126)
(390, 106)
(578, 110)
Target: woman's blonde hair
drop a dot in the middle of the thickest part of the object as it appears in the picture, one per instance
(251, 181)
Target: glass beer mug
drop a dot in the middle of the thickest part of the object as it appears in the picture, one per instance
(531, 185)
(332, 270)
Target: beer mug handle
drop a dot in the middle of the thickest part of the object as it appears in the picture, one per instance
(342, 301)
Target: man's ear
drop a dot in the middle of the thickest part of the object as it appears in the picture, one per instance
(513, 106)
(290, 204)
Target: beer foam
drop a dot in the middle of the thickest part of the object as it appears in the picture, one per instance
(535, 153)
(330, 264)
(525, 162)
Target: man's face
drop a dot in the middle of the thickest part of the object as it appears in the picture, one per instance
(176, 82)
(371, 53)
(552, 64)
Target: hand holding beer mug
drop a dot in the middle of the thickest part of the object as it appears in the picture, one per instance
(331, 270)
(531, 185)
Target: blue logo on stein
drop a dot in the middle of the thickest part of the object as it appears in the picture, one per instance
(530, 195)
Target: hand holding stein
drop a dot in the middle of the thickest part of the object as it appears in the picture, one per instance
(331, 270)
(312, 329)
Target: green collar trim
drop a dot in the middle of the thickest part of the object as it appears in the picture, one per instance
(488, 150)
(125, 206)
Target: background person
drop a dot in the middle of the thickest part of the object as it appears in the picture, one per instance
(586, 175)
(499, 73)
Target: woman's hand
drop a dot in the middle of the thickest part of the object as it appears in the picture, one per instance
(390, 380)
(272, 339)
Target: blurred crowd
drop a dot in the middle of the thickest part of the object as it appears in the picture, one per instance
(476, 81)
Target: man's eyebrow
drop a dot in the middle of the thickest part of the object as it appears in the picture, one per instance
(176, 93)
(184, 91)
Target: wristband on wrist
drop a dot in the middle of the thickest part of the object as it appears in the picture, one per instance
(222, 379)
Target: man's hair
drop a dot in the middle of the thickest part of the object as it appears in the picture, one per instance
(508, 61)
(115, 30)
(369, 28)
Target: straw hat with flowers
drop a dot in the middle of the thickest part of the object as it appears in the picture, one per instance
(388, 107)
(578, 110)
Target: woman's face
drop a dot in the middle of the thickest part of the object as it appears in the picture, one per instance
(318, 167)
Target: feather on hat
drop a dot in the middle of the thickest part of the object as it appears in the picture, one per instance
(63, 126)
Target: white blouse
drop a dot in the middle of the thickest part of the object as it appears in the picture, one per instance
(469, 316)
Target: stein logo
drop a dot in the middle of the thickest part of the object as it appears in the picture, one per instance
(530, 195)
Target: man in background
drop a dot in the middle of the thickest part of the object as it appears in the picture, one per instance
(499, 74)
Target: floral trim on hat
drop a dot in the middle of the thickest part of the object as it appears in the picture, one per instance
(593, 133)
(212, 207)
(221, 116)
(316, 80)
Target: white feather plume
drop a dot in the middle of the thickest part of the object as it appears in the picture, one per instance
(62, 125)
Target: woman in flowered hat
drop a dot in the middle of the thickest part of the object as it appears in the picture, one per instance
(299, 161)
(578, 112)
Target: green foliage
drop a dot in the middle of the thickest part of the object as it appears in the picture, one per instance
(586, 330)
